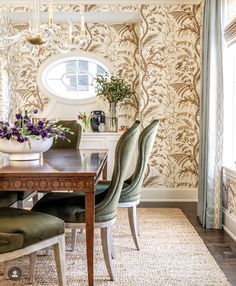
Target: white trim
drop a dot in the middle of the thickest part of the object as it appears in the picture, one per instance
(78, 53)
(229, 224)
(108, 17)
(169, 195)
(230, 172)
(106, 2)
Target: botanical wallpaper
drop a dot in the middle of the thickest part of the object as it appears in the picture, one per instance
(170, 79)
(230, 10)
(229, 194)
(117, 43)
(160, 56)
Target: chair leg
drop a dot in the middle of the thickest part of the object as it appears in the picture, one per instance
(59, 253)
(106, 252)
(132, 212)
(138, 228)
(20, 204)
(73, 238)
(35, 199)
(5, 270)
(111, 243)
(33, 259)
(47, 251)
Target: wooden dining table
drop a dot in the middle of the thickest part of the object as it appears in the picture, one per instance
(60, 170)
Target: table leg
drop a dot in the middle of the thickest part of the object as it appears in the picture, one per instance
(104, 172)
(89, 218)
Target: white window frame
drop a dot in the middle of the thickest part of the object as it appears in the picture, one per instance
(61, 57)
(230, 106)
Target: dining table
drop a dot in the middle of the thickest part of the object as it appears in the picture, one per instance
(60, 170)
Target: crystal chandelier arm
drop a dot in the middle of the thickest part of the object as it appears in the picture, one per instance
(36, 17)
(50, 13)
(82, 26)
(6, 38)
(70, 32)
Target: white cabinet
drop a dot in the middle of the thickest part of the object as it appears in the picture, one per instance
(101, 140)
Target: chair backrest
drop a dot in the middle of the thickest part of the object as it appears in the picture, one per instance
(132, 192)
(74, 138)
(106, 209)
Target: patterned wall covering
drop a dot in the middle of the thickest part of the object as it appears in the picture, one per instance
(170, 73)
(229, 192)
(117, 43)
(230, 10)
(160, 56)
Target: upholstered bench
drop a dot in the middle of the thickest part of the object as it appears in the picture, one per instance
(25, 232)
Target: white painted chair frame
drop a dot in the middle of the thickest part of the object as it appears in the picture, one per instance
(106, 238)
(21, 203)
(58, 243)
(133, 222)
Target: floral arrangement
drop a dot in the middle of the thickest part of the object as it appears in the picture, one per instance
(113, 88)
(86, 119)
(26, 126)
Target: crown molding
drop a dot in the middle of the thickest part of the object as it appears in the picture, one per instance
(90, 17)
(105, 2)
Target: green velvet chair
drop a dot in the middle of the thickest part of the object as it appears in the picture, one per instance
(73, 143)
(74, 139)
(24, 232)
(70, 207)
(131, 192)
(8, 199)
(23, 197)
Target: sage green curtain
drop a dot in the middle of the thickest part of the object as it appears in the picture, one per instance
(211, 117)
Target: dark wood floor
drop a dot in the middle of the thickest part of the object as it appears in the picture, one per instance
(221, 246)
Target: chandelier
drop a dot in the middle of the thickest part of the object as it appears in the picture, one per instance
(38, 34)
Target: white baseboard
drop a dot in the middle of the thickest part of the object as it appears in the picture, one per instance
(169, 195)
(229, 224)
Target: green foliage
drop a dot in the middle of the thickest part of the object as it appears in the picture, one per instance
(113, 88)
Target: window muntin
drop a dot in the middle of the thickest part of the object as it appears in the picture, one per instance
(72, 77)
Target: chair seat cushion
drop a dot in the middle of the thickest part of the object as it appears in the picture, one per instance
(21, 228)
(7, 198)
(69, 207)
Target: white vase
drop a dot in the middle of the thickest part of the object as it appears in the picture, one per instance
(28, 150)
(113, 120)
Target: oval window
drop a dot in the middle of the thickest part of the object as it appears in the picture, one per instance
(72, 77)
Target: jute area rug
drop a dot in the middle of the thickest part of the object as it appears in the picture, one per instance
(171, 253)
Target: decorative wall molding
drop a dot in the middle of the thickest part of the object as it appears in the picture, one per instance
(169, 195)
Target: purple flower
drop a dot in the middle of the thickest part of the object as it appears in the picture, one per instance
(25, 126)
(43, 134)
(18, 116)
(40, 123)
(8, 136)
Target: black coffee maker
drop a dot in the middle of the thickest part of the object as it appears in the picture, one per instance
(99, 117)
